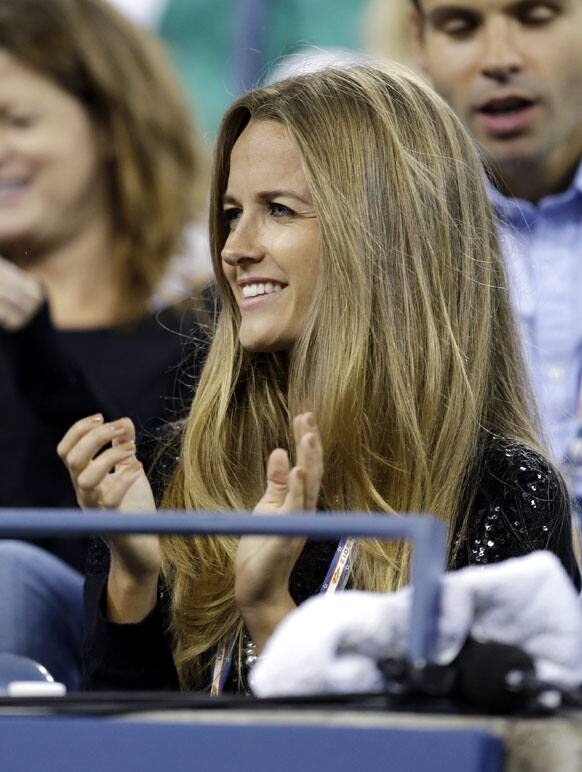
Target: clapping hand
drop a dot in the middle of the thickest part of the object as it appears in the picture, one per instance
(264, 564)
(112, 478)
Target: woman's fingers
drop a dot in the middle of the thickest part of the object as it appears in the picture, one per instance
(119, 485)
(297, 489)
(88, 446)
(21, 295)
(87, 437)
(8, 318)
(309, 456)
(74, 434)
(24, 297)
(278, 471)
(277, 483)
(128, 435)
(98, 468)
(295, 498)
(91, 468)
(312, 463)
(300, 427)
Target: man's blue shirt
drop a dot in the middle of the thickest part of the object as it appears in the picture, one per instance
(542, 246)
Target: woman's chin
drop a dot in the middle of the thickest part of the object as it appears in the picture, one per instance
(257, 344)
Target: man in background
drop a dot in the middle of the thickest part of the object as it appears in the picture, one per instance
(512, 71)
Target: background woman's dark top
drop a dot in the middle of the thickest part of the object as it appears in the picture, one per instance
(50, 378)
(521, 506)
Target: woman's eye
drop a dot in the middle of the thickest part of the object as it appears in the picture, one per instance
(280, 210)
(231, 215)
(22, 121)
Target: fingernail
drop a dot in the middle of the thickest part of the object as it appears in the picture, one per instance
(310, 419)
(311, 440)
(128, 445)
(97, 418)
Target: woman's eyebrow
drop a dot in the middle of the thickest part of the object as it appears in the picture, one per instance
(268, 195)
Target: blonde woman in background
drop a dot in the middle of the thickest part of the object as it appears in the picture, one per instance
(365, 359)
(100, 173)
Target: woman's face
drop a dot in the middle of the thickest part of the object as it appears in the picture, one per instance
(271, 257)
(51, 170)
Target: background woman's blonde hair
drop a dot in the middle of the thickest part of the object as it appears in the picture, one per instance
(120, 75)
(408, 358)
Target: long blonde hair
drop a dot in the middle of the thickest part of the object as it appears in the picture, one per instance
(409, 355)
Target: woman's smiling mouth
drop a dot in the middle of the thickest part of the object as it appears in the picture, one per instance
(261, 288)
(256, 293)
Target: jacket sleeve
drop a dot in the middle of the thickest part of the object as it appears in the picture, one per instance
(124, 657)
(522, 505)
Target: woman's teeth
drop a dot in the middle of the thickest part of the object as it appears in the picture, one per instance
(267, 288)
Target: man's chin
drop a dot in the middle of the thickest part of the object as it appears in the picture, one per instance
(511, 151)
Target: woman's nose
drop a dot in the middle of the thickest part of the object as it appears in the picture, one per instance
(243, 245)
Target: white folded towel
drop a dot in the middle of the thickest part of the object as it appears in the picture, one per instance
(331, 643)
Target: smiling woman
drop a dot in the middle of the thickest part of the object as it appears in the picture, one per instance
(362, 294)
(271, 254)
(48, 193)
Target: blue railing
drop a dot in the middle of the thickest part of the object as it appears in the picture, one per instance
(426, 534)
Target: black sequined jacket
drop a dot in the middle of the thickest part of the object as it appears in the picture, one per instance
(521, 506)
